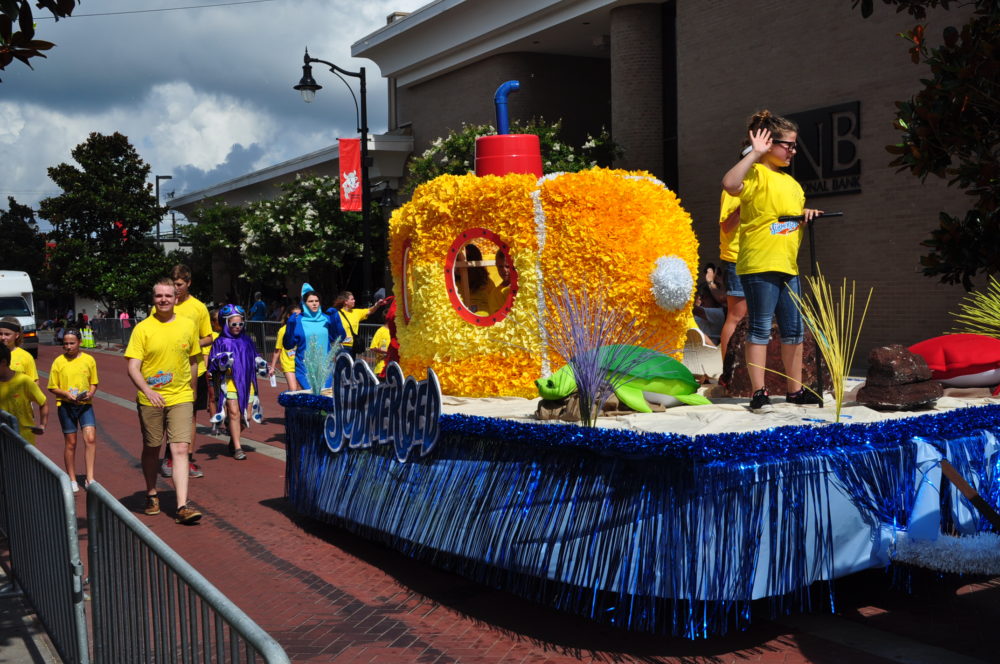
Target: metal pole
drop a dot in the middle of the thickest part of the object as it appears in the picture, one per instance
(366, 262)
(159, 217)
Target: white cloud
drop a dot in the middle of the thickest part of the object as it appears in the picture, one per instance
(189, 88)
(199, 129)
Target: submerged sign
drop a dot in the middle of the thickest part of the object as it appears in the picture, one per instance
(399, 411)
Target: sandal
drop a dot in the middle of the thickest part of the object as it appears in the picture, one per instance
(239, 454)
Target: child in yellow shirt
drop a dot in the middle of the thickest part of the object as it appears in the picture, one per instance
(17, 391)
(73, 381)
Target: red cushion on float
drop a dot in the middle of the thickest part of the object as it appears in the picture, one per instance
(953, 355)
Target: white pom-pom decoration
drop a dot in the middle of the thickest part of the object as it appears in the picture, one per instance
(672, 282)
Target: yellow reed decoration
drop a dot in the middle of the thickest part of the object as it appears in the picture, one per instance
(832, 326)
(979, 312)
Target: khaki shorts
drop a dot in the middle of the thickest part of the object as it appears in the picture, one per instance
(174, 421)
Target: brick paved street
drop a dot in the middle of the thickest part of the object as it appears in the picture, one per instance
(329, 596)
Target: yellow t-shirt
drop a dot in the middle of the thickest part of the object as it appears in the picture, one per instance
(74, 376)
(351, 319)
(729, 243)
(497, 298)
(381, 341)
(766, 244)
(286, 356)
(194, 309)
(206, 350)
(165, 350)
(16, 396)
(22, 361)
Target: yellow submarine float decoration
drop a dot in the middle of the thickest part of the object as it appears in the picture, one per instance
(477, 260)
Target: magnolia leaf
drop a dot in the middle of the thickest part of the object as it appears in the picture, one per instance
(24, 20)
(9, 8)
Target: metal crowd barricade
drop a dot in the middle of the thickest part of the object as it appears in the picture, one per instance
(265, 336)
(150, 605)
(366, 331)
(38, 515)
(111, 332)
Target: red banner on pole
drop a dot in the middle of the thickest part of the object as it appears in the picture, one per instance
(350, 174)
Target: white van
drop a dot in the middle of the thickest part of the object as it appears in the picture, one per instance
(17, 298)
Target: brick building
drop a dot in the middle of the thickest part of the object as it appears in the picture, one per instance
(675, 81)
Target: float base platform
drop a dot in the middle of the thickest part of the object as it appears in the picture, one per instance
(674, 528)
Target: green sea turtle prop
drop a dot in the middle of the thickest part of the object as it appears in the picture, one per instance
(647, 376)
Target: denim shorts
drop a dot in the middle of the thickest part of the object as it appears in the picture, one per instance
(73, 416)
(734, 286)
(767, 298)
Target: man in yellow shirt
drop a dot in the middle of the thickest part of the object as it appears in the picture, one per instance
(191, 307)
(351, 318)
(162, 357)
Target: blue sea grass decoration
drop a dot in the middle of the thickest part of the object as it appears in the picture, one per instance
(319, 364)
(585, 325)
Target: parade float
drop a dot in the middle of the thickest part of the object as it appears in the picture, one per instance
(669, 523)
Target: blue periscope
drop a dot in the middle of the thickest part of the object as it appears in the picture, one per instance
(500, 102)
(657, 533)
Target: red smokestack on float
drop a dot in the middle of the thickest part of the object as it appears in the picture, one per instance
(506, 153)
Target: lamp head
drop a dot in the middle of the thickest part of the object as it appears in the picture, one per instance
(308, 85)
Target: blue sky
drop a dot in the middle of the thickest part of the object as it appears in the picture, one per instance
(204, 94)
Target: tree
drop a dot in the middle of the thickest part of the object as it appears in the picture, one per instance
(455, 153)
(951, 129)
(102, 222)
(21, 245)
(216, 238)
(304, 234)
(22, 45)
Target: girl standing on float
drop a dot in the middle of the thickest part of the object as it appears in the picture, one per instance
(768, 251)
(73, 381)
(312, 326)
(234, 363)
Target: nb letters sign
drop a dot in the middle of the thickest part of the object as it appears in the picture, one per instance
(828, 160)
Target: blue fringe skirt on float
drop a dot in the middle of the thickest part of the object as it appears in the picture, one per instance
(656, 533)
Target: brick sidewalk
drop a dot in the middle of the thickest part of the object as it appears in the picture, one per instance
(328, 596)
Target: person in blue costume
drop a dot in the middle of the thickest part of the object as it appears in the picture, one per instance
(312, 325)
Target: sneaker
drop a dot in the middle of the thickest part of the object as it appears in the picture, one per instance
(194, 471)
(167, 467)
(75, 486)
(804, 398)
(152, 505)
(760, 402)
(187, 515)
(87, 483)
(239, 454)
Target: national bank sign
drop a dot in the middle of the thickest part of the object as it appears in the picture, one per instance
(828, 160)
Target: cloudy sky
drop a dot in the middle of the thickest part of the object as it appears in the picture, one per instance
(202, 90)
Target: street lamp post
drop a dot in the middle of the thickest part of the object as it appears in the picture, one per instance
(159, 218)
(308, 87)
